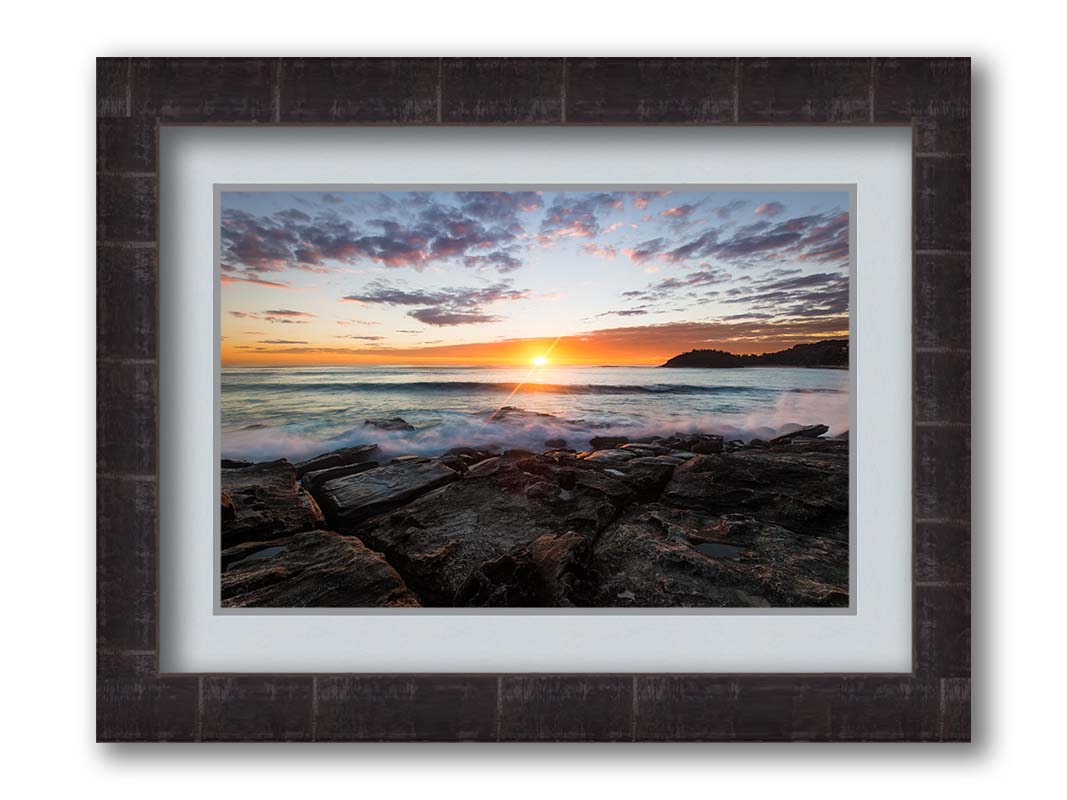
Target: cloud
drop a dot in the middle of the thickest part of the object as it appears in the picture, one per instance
(742, 336)
(646, 250)
(678, 211)
(827, 242)
(259, 244)
(815, 237)
(499, 206)
(649, 343)
(729, 209)
(625, 312)
(500, 261)
(281, 341)
(607, 251)
(442, 316)
(701, 247)
(280, 315)
(427, 229)
(353, 336)
(772, 209)
(824, 294)
(227, 280)
(452, 306)
(642, 199)
(780, 295)
(704, 277)
(577, 215)
(380, 292)
(489, 231)
(293, 215)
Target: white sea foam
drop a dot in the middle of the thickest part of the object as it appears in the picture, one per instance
(296, 414)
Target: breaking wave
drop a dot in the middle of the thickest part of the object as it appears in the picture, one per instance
(297, 414)
(419, 387)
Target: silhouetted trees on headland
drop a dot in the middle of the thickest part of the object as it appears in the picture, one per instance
(827, 353)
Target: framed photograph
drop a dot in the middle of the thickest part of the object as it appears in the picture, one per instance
(533, 399)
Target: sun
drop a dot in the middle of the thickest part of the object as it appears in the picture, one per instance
(539, 361)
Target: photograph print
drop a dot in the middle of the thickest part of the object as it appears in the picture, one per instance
(536, 397)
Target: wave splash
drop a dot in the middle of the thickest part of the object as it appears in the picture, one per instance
(439, 431)
(517, 388)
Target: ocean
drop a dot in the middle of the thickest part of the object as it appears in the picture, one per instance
(298, 412)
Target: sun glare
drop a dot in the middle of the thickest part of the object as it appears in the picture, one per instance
(539, 361)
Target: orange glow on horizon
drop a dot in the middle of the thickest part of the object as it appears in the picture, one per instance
(603, 348)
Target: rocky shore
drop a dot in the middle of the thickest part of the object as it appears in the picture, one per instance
(687, 520)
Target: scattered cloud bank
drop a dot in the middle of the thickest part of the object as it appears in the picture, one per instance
(442, 307)
(728, 270)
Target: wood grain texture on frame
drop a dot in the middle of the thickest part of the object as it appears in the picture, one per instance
(135, 702)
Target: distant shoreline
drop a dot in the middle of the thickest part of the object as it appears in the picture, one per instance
(756, 366)
(827, 354)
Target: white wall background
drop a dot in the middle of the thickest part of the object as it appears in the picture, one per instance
(48, 458)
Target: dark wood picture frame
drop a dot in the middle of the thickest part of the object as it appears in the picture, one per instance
(136, 702)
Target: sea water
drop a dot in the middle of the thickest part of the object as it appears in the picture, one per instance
(298, 412)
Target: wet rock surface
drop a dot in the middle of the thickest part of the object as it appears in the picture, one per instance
(550, 571)
(316, 569)
(347, 456)
(501, 504)
(389, 424)
(807, 432)
(314, 480)
(265, 502)
(801, 488)
(350, 499)
(686, 520)
(662, 556)
(606, 442)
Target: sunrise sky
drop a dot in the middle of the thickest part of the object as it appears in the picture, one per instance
(594, 277)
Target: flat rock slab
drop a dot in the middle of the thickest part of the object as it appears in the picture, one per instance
(659, 556)
(497, 508)
(250, 550)
(318, 463)
(643, 449)
(349, 500)
(357, 454)
(807, 432)
(610, 457)
(635, 565)
(647, 476)
(313, 480)
(266, 504)
(804, 491)
(316, 569)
